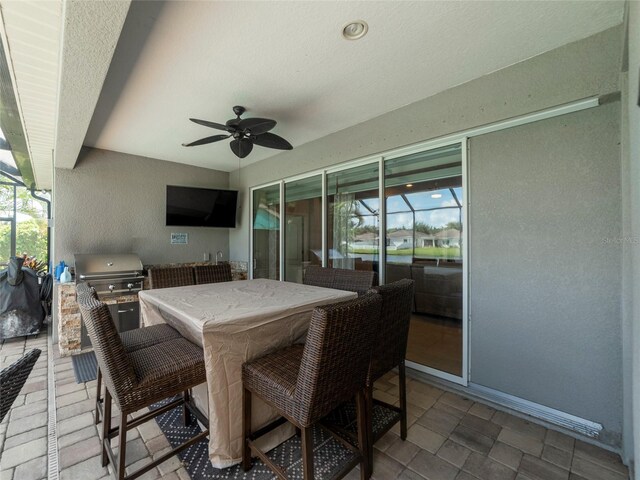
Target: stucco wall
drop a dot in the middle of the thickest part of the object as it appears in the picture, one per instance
(114, 202)
(545, 262)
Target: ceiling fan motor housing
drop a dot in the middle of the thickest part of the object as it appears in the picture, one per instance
(245, 132)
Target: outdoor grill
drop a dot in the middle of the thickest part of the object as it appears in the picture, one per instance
(116, 278)
(110, 275)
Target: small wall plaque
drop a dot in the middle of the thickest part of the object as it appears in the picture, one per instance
(179, 238)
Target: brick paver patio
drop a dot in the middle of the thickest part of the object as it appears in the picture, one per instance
(23, 432)
(450, 437)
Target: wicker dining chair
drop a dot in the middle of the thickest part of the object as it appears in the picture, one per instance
(13, 378)
(213, 273)
(139, 379)
(340, 278)
(389, 352)
(132, 340)
(305, 382)
(318, 276)
(359, 281)
(171, 277)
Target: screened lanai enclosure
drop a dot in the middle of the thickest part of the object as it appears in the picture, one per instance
(24, 252)
(24, 214)
(335, 218)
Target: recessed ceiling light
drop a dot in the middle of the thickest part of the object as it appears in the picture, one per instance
(409, 185)
(355, 30)
(436, 195)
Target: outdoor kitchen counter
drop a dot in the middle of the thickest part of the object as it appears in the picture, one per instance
(235, 322)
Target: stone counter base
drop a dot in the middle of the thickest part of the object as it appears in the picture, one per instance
(69, 319)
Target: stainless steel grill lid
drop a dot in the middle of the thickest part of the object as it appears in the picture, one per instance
(90, 266)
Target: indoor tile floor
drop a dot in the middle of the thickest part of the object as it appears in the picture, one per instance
(450, 437)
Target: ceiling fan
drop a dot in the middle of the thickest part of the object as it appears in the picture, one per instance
(246, 133)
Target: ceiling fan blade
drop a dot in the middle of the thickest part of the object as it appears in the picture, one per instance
(241, 147)
(203, 141)
(219, 126)
(257, 126)
(271, 140)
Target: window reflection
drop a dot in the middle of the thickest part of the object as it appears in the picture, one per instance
(424, 202)
(424, 221)
(266, 232)
(303, 220)
(353, 218)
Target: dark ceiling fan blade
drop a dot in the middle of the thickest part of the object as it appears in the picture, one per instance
(241, 147)
(219, 126)
(257, 126)
(203, 141)
(271, 140)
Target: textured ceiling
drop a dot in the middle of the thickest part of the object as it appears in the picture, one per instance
(288, 61)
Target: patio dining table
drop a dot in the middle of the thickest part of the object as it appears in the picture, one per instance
(235, 322)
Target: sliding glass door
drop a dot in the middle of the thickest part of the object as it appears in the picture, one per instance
(303, 226)
(336, 217)
(266, 232)
(353, 218)
(424, 223)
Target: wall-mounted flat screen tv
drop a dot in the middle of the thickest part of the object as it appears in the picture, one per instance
(201, 207)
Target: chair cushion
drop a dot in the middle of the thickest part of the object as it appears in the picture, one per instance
(274, 376)
(164, 370)
(133, 340)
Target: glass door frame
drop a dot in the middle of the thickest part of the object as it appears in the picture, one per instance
(325, 212)
(323, 208)
(463, 379)
(380, 160)
(252, 214)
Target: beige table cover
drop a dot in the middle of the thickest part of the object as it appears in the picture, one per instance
(235, 322)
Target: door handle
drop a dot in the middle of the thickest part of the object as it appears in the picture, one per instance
(126, 311)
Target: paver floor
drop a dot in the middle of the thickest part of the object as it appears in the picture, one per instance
(450, 437)
(23, 432)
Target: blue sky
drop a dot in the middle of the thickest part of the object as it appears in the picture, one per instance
(419, 201)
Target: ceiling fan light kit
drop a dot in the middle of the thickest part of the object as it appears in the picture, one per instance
(246, 133)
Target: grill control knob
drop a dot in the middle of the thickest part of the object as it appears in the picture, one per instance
(111, 287)
(130, 286)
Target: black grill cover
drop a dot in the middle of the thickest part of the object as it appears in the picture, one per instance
(21, 311)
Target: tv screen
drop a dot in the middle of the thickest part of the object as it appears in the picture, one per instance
(201, 207)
